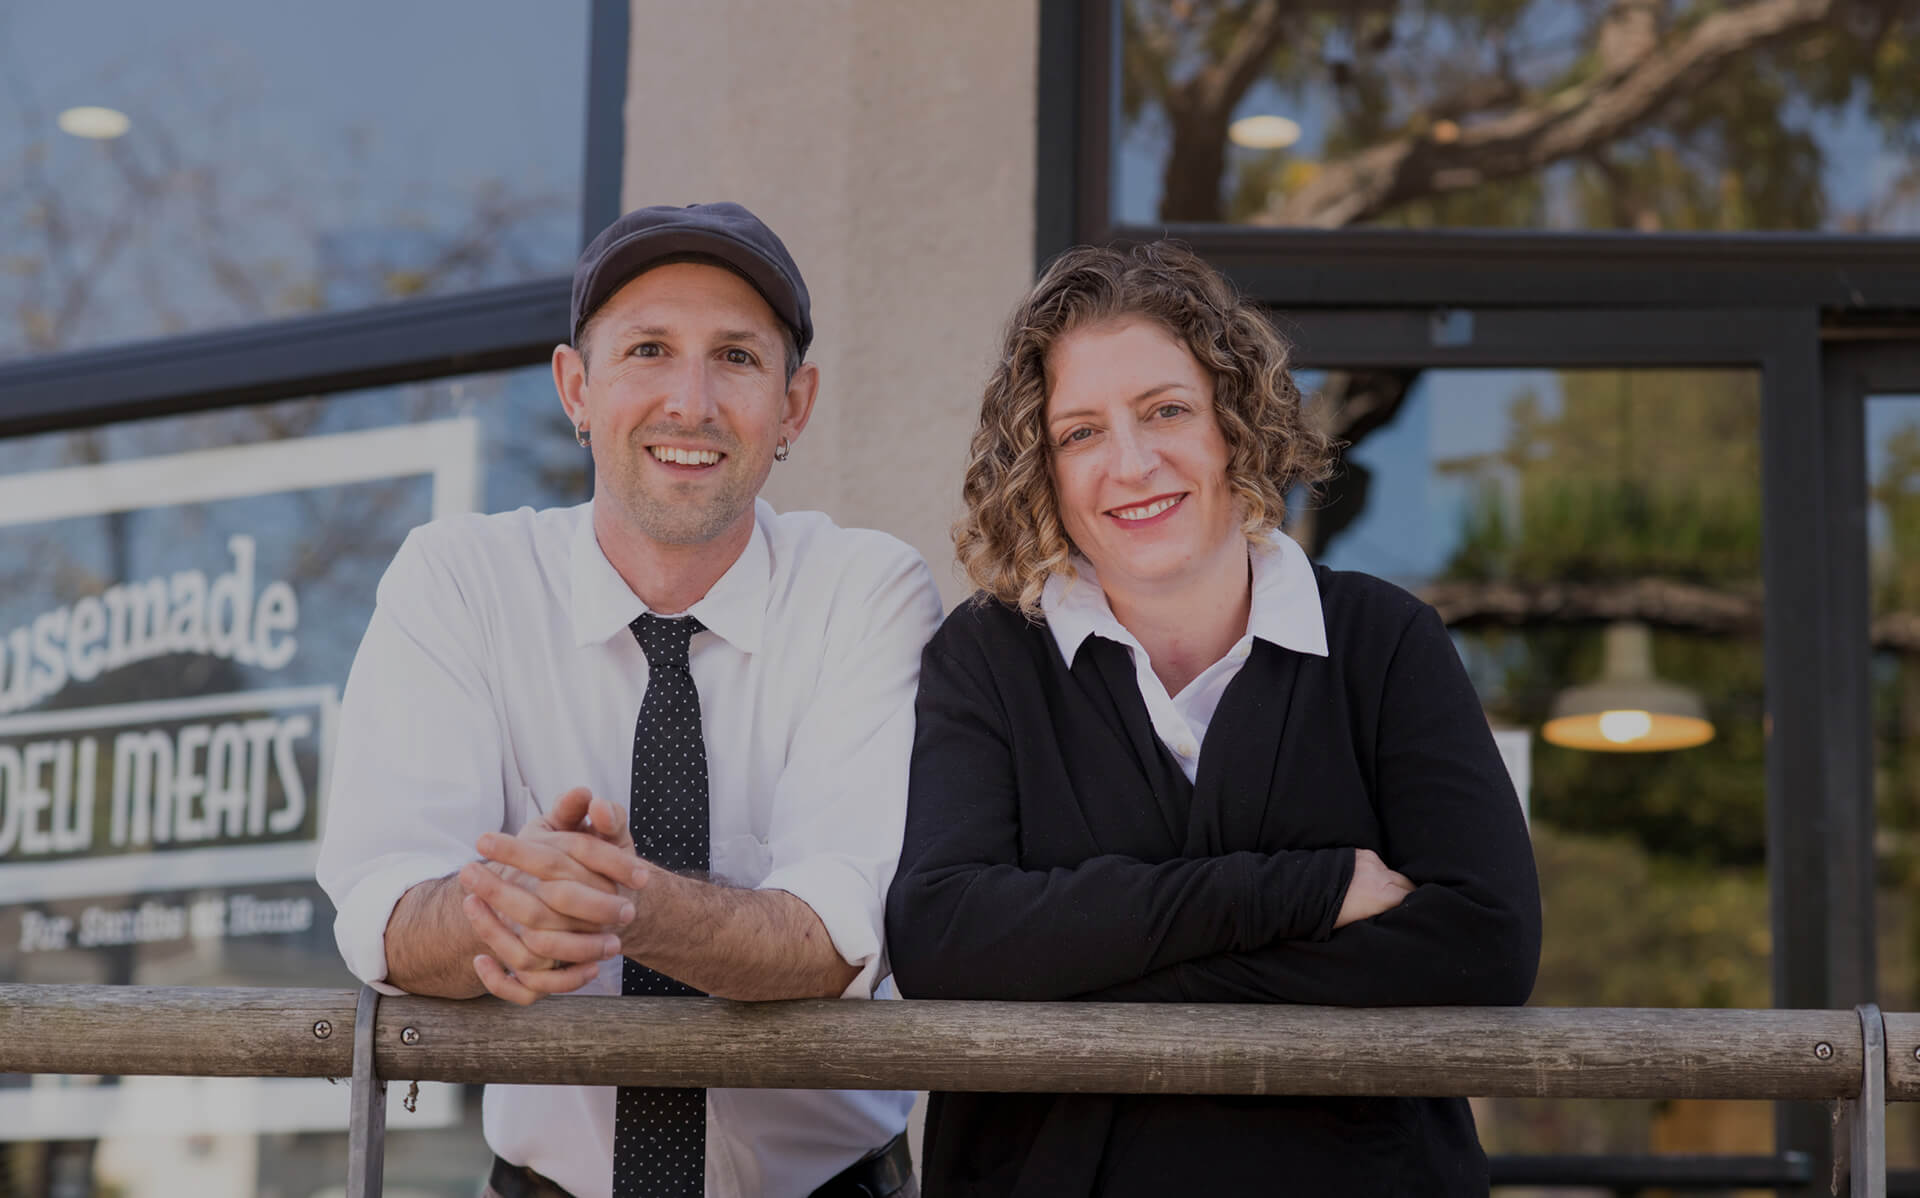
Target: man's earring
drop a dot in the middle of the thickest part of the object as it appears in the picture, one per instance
(581, 435)
(782, 451)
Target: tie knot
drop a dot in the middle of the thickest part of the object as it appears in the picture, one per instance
(665, 641)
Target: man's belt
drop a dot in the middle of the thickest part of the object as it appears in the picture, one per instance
(879, 1174)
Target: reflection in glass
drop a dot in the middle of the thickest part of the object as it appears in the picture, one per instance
(193, 590)
(1893, 540)
(1536, 510)
(1645, 115)
(205, 163)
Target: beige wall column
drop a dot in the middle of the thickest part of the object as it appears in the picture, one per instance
(890, 143)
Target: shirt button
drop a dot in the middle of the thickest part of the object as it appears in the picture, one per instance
(1185, 748)
(1240, 652)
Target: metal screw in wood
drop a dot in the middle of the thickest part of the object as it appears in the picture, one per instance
(1823, 1050)
(322, 1029)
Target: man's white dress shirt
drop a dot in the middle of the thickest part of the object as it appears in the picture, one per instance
(498, 672)
(1285, 612)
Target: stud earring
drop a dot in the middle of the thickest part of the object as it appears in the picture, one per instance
(782, 451)
(581, 435)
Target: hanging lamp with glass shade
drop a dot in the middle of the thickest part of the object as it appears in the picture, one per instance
(1628, 710)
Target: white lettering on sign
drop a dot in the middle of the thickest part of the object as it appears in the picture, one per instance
(212, 918)
(46, 798)
(202, 781)
(163, 794)
(135, 621)
(207, 782)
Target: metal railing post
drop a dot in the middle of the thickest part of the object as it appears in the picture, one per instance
(1868, 1164)
(367, 1121)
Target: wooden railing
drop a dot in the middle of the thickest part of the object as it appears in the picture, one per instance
(1860, 1057)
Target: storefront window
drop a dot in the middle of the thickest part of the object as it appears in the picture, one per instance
(1640, 115)
(1562, 521)
(199, 164)
(180, 601)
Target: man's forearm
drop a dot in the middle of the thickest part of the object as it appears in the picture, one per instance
(731, 943)
(431, 943)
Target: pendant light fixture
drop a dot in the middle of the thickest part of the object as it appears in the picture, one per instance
(1628, 710)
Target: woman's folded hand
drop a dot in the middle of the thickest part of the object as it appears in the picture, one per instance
(1375, 888)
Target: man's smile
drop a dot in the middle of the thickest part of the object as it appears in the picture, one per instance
(674, 455)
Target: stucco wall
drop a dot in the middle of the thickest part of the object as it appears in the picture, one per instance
(891, 145)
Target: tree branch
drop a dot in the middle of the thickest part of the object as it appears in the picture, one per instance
(1220, 86)
(1573, 121)
(1657, 601)
(1651, 600)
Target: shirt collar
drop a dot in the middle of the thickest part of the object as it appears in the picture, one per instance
(734, 608)
(1285, 610)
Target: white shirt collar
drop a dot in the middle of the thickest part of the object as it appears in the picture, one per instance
(1285, 610)
(734, 608)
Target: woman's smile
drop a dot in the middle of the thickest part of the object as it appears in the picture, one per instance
(1142, 515)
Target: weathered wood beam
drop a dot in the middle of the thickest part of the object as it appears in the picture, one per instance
(1084, 1047)
(176, 1031)
(1903, 1057)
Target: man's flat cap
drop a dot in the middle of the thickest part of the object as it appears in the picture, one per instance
(725, 231)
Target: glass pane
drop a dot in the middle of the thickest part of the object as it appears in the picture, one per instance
(176, 167)
(1547, 515)
(1648, 115)
(180, 600)
(1893, 542)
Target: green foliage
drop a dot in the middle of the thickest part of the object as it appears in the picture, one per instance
(1584, 531)
(1640, 473)
(1625, 929)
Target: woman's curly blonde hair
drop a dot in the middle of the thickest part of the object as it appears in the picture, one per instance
(1012, 538)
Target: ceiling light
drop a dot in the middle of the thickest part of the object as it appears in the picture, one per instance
(97, 124)
(1628, 710)
(1264, 132)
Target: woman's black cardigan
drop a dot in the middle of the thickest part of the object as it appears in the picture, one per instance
(1054, 850)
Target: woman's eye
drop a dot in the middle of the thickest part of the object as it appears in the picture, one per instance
(1079, 434)
(1167, 411)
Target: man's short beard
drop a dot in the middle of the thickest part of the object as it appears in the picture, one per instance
(680, 523)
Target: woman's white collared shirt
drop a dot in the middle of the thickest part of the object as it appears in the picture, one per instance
(1285, 612)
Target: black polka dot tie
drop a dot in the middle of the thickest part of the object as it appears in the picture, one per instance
(660, 1133)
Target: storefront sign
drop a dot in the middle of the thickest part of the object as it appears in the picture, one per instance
(166, 724)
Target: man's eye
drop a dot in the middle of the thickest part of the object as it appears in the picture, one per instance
(648, 349)
(739, 357)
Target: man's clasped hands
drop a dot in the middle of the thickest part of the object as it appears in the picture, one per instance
(555, 900)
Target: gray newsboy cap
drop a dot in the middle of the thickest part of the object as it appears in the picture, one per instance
(726, 231)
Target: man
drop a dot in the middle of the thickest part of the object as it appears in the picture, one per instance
(761, 669)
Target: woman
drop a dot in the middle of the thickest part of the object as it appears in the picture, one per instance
(1163, 758)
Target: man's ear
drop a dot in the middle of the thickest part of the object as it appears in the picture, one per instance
(802, 389)
(570, 380)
